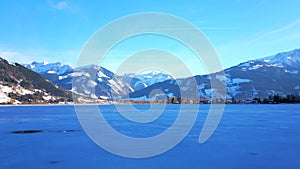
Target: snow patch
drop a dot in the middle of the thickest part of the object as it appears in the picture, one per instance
(101, 74)
(23, 91)
(4, 98)
(233, 90)
(47, 98)
(5, 89)
(239, 80)
(100, 79)
(93, 96)
(51, 72)
(76, 74)
(114, 85)
(247, 64)
(291, 71)
(255, 67)
(91, 83)
(222, 78)
(103, 97)
(62, 77)
(273, 65)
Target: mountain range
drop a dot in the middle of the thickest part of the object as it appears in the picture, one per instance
(273, 75)
(277, 74)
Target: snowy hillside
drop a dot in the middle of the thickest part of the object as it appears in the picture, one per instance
(289, 61)
(284, 59)
(21, 85)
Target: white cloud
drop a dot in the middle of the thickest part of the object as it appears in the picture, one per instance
(60, 5)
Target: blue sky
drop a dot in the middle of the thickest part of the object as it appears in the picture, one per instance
(239, 30)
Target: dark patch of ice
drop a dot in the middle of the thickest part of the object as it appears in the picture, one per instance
(54, 162)
(27, 131)
(40, 131)
(252, 153)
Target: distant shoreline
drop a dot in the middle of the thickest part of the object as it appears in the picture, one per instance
(51, 104)
(85, 104)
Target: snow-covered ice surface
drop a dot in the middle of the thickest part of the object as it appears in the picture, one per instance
(249, 136)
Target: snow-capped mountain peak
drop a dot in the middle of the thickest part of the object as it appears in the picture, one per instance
(283, 59)
(286, 60)
(153, 77)
(51, 68)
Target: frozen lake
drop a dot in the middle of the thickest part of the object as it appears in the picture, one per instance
(248, 136)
